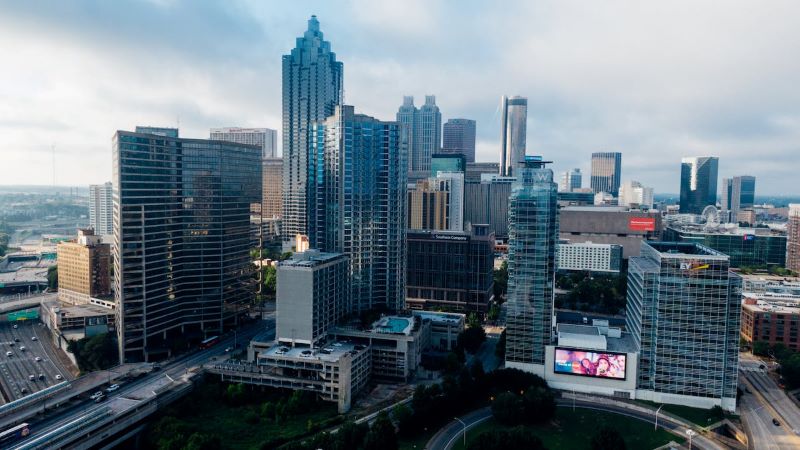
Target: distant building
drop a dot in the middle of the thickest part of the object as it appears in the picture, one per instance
(437, 203)
(587, 256)
(606, 172)
(582, 197)
(747, 247)
(486, 202)
(793, 239)
(424, 128)
(532, 250)
(442, 162)
(513, 129)
(738, 193)
(265, 138)
(159, 131)
(459, 138)
(609, 225)
(84, 268)
(632, 194)
(272, 188)
(475, 170)
(698, 183)
(771, 319)
(450, 270)
(771, 284)
(683, 310)
(570, 180)
(101, 209)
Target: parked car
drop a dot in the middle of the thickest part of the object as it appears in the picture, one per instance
(38, 359)
(31, 377)
(22, 348)
(34, 338)
(15, 326)
(41, 376)
(775, 422)
(16, 339)
(9, 353)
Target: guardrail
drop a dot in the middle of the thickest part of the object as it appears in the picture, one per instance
(10, 407)
(50, 439)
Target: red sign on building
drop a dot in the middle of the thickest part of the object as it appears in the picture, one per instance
(642, 224)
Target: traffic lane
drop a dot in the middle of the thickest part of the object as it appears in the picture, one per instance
(759, 433)
(777, 398)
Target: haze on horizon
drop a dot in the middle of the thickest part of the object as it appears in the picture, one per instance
(653, 81)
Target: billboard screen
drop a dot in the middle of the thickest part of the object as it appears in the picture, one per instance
(589, 363)
(642, 224)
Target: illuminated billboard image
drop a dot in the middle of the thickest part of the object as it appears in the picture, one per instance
(642, 224)
(590, 364)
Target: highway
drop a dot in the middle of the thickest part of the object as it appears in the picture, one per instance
(15, 370)
(763, 401)
(134, 391)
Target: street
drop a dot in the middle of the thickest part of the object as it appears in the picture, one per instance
(766, 401)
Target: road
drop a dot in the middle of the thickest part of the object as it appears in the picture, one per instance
(763, 401)
(16, 370)
(449, 436)
(143, 386)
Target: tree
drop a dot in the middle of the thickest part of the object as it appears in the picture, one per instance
(270, 279)
(96, 352)
(790, 370)
(501, 282)
(381, 434)
(508, 409)
(202, 441)
(607, 438)
(52, 277)
(539, 404)
(760, 348)
(471, 338)
(500, 348)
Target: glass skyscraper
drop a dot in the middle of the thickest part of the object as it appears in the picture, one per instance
(359, 175)
(312, 87)
(424, 128)
(606, 171)
(532, 248)
(514, 134)
(698, 183)
(738, 193)
(683, 311)
(182, 268)
(458, 137)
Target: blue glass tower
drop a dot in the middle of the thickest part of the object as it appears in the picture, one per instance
(359, 176)
(532, 246)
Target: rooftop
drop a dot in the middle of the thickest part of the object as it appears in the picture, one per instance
(678, 249)
(727, 229)
(330, 352)
(440, 317)
(311, 258)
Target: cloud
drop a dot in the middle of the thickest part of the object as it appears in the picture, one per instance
(654, 81)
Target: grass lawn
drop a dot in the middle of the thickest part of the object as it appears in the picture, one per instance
(416, 443)
(574, 430)
(698, 416)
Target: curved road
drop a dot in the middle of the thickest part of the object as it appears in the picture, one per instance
(447, 437)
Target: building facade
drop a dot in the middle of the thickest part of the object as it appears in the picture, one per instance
(609, 225)
(101, 209)
(532, 250)
(793, 239)
(459, 138)
(265, 138)
(771, 319)
(84, 268)
(746, 247)
(272, 188)
(570, 180)
(606, 172)
(683, 310)
(312, 88)
(450, 270)
(632, 194)
(475, 170)
(360, 180)
(486, 202)
(181, 238)
(698, 183)
(159, 131)
(437, 203)
(590, 257)
(443, 162)
(513, 137)
(424, 128)
(738, 193)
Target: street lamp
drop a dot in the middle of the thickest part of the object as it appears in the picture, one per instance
(690, 433)
(465, 431)
(659, 409)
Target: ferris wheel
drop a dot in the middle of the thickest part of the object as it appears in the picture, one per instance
(711, 217)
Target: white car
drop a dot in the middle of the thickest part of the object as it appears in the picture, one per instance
(38, 359)
(34, 338)
(58, 377)
(96, 395)
(112, 388)
(22, 348)
(15, 327)
(9, 353)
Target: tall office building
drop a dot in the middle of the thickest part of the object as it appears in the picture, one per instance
(181, 239)
(606, 171)
(159, 131)
(571, 180)
(437, 203)
(265, 138)
(101, 208)
(424, 128)
(448, 163)
(532, 249)
(486, 202)
(738, 193)
(514, 134)
(272, 187)
(360, 180)
(793, 238)
(698, 183)
(633, 194)
(84, 268)
(476, 170)
(683, 311)
(312, 88)
(459, 137)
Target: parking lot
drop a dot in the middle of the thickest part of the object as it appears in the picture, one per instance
(16, 370)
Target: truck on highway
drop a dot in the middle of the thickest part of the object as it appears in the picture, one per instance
(14, 434)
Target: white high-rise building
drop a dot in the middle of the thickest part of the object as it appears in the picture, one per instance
(632, 193)
(265, 138)
(101, 208)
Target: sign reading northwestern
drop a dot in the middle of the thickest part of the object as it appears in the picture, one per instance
(449, 237)
(642, 224)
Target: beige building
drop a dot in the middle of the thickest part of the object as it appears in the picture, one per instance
(793, 239)
(272, 192)
(83, 268)
(428, 206)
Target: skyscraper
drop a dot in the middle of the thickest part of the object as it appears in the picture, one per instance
(793, 238)
(459, 137)
(272, 174)
(360, 180)
(571, 180)
(101, 209)
(738, 193)
(532, 248)
(606, 171)
(683, 311)
(424, 128)
(181, 239)
(312, 88)
(265, 138)
(513, 138)
(698, 183)
(632, 193)
(437, 203)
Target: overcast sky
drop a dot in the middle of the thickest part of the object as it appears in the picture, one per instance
(655, 81)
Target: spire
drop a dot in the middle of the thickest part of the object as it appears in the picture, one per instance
(313, 24)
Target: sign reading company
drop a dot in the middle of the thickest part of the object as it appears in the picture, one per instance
(642, 224)
(449, 237)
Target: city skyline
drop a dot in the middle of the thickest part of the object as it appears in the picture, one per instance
(659, 118)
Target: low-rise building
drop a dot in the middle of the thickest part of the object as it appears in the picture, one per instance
(747, 247)
(771, 318)
(74, 322)
(609, 225)
(587, 256)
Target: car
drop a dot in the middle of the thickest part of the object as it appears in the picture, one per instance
(24, 390)
(229, 349)
(16, 339)
(38, 359)
(100, 398)
(15, 327)
(34, 338)
(41, 376)
(762, 367)
(11, 344)
(96, 395)
(22, 348)
(58, 377)
(156, 367)
(112, 388)
(9, 353)
(775, 422)
(31, 377)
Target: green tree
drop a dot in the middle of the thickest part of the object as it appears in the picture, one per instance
(52, 277)
(508, 409)
(270, 279)
(202, 441)
(760, 348)
(539, 404)
(381, 434)
(471, 338)
(96, 352)
(501, 282)
(790, 370)
(607, 438)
